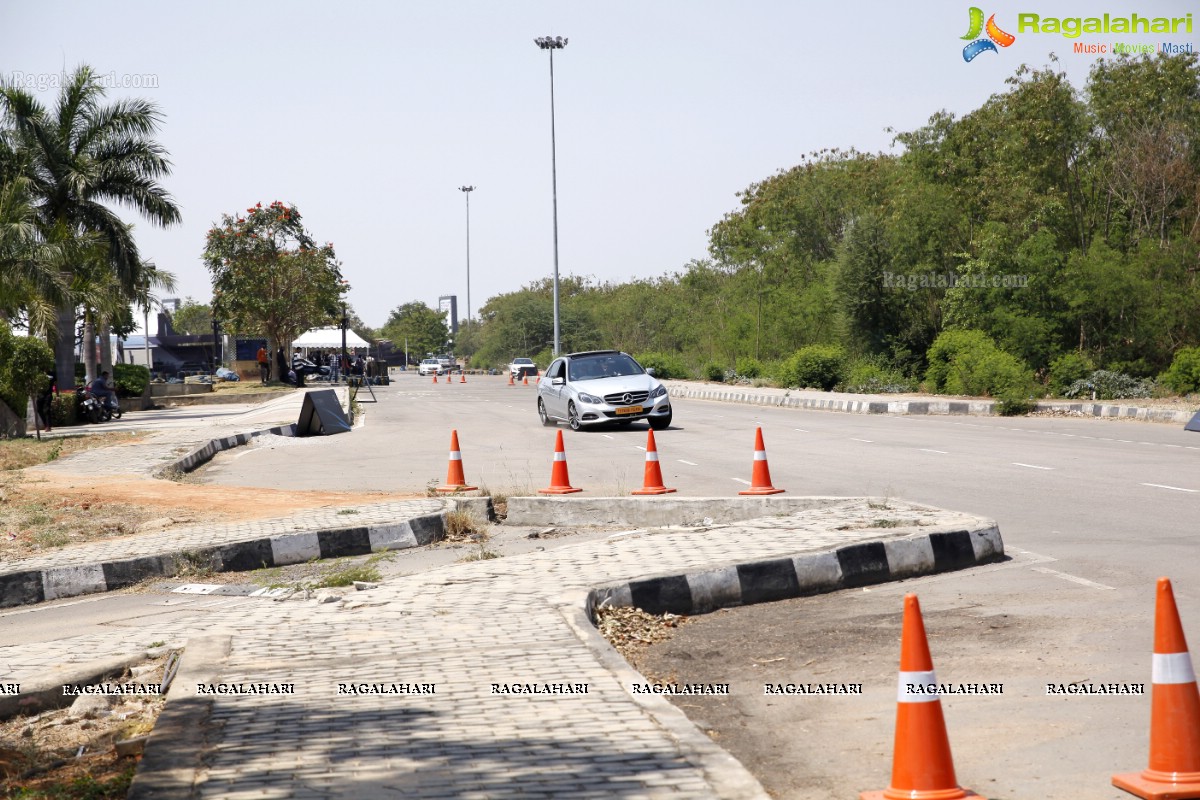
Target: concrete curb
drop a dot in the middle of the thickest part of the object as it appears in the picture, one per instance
(983, 408)
(38, 586)
(48, 694)
(173, 756)
(782, 578)
(203, 454)
(657, 511)
(725, 774)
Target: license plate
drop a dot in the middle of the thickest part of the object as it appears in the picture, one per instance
(623, 410)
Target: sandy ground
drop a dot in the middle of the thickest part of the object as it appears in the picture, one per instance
(230, 503)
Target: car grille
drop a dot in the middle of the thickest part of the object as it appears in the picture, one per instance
(625, 398)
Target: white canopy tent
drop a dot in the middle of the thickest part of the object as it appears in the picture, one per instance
(327, 338)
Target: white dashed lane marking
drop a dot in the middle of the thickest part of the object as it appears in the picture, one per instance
(689, 463)
(1072, 578)
(1172, 488)
(1030, 466)
(868, 441)
(739, 480)
(929, 450)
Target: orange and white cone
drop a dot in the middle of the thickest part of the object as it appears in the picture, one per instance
(462, 377)
(560, 482)
(526, 381)
(922, 768)
(455, 480)
(435, 377)
(652, 483)
(760, 478)
(511, 382)
(1174, 771)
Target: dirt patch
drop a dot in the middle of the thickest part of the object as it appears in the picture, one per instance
(824, 747)
(20, 453)
(40, 510)
(71, 753)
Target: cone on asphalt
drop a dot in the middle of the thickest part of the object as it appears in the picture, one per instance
(455, 480)
(1174, 770)
(435, 377)
(510, 380)
(560, 483)
(526, 381)
(462, 377)
(922, 768)
(652, 483)
(760, 477)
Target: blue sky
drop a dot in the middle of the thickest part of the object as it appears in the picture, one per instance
(369, 116)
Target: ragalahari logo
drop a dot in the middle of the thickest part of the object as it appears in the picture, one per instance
(995, 35)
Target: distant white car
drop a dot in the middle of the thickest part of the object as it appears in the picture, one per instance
(520, 367)
(430, 366)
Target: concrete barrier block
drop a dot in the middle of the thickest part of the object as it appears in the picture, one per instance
(72, 581)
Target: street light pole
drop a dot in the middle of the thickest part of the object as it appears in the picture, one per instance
(552, 44)
(466, 190)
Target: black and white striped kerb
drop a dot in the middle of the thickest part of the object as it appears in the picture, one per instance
(781, 578)
(37, 586)
(203, 454)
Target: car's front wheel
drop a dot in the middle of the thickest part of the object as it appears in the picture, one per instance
(542, 413)
(573, 416)
(661, 423)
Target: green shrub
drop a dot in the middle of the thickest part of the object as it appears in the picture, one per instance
(970, 363)
(1068, 368)
(665, 365)
(714, 372)
(1107, 385)
(872, 376)
(818, 365)
(1183, 376)
(130, 380)
(749, 368)
(65, 410)
(1013, 403)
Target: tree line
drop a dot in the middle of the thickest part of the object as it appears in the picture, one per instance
(1061, 224)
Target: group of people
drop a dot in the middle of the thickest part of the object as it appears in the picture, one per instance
(339, 365)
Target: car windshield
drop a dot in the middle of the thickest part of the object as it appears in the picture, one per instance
(523, 361)
(605, 366)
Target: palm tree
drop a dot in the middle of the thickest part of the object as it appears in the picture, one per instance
(79, 156)
(29, 282)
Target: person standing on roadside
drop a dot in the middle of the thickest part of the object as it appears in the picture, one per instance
(281, 360)
(264, 364)
(45, 401)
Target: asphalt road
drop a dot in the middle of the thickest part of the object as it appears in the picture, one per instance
(1092, 511)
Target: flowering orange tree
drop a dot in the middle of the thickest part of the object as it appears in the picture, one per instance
(269, 277)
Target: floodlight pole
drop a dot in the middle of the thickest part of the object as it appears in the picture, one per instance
(552, 44)
(466, 190)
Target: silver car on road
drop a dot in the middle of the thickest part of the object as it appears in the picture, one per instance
(601, 386)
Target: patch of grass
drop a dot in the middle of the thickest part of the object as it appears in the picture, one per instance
(346, 576)
(82, 787)
(159, 643)
(887, 523)
(33, 519)
(463, 526)
(347, 511)
(192, 564)
(481, 554)
(43, 540)
(22, 453)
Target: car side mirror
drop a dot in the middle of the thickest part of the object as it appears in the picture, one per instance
(558, 381)
(650, 371)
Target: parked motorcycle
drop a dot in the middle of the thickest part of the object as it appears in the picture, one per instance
(97, 411)
(304, 369)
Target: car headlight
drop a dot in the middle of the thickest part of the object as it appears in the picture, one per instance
(658, 392)
(589, 399)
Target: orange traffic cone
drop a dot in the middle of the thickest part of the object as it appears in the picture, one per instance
(1174, 770)
(435, 377)
(760, 478)
(510, 380)
(652, 483)
(462, 377)
(526, 380)
(455, 480)
(922, 768)
(560, 483)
